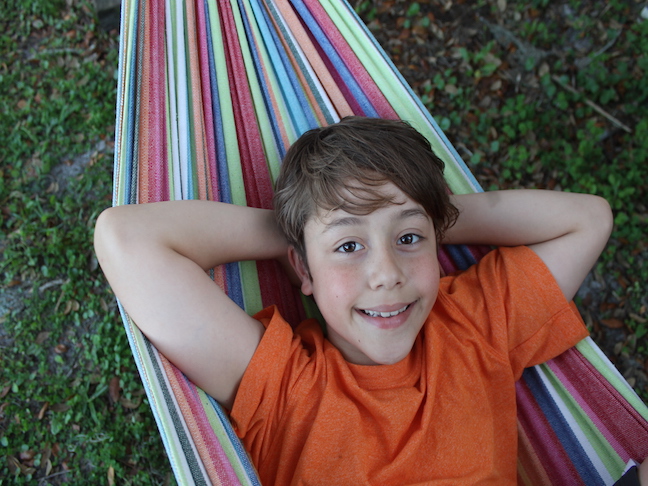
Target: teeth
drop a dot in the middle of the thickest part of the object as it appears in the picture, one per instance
(385, 314)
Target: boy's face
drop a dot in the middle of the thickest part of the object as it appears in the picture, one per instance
(375, 277)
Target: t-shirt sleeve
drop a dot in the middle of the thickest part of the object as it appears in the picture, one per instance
(513, 300)
(277, 363)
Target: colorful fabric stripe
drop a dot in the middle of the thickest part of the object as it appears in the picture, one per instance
(211, 94)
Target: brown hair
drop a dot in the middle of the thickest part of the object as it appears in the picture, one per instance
(354, 156)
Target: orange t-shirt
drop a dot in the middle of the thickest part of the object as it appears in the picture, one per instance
(446, 414)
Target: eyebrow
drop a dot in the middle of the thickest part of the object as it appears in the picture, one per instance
(354, 220)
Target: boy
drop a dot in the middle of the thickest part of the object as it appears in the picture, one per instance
(414, 382)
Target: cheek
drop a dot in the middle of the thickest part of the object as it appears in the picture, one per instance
(425, 271)
(335, 283)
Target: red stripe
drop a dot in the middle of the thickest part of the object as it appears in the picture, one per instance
(628, 429)
(213, 457)
(143, 120)
(210, 136)
(275, 289)
(530, 469)
(357, 69)
(548, 448)
(157, 140)
(339, 81)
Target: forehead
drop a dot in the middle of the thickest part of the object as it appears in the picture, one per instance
(360, 202)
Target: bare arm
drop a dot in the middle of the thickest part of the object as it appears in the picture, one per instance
(155, 257)
(568, 231)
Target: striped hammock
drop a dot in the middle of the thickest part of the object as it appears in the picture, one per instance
(210, 96)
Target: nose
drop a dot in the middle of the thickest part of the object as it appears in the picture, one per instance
(385, 270)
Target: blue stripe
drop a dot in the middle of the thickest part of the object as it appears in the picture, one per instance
(258, 68)
(301, 113)
(232, 274)
(323, 43)
(235, 441)
(461, 256)
(562, 429)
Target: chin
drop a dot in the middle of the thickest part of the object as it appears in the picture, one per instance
(391, 357)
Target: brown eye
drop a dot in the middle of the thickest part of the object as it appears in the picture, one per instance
(350, 247)
(408, 239)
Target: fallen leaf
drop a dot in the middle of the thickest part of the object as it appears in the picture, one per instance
(491, 58)
(43, 409)
(60, 348)
(612, 323)
(13, 464)
(59, 407)
(451, 89)
(638, 318)
(26, 456)
(71, 306)
(111, 476)
(42, 336)
(114, 389)
(131, 404)
(501, 5)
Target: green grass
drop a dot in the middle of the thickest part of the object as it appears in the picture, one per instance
(72, 408)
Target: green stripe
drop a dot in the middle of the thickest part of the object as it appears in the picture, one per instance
(605, 452)
(607, 370)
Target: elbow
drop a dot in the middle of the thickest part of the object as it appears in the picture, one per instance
(110, 237)
(104, 231)
(603, 218)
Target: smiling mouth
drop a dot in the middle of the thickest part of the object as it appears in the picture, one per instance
(371, 313)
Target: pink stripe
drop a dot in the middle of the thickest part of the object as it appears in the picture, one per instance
(310, 51)
(575, 393)
(620, 424)
(210, 136)
(214, 459)
(340, 83)
(530, 469)
(357, 69)
(197, 116)
(273, 99)
(256, 177)
(257, 187)
(142, 162)
(548, 448)
(157, 146)
(479, 251)
(446, 262)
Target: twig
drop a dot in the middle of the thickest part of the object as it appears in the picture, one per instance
(53, 283)
(584, 62)
(593, 105)
(60, 473)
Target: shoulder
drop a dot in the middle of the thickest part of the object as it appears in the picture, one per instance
(279, 360)
(287, 370)
(278, 332)
(503, 273)
(511, 300)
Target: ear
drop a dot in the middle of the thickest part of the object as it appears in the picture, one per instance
(301, 270)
